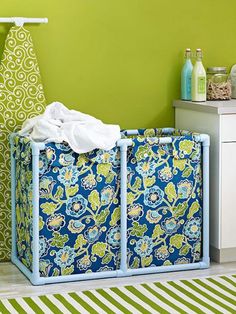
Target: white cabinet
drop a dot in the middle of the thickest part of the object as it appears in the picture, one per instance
(218, 119)
(228, 194)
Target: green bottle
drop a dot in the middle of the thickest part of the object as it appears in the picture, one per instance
(198, 79)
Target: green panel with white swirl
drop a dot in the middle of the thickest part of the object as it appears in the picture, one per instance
(21, 97)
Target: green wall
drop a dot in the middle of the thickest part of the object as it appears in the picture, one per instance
(121, 60)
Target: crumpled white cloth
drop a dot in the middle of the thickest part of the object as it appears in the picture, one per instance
(82, 132)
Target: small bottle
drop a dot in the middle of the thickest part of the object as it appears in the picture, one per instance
(186, 76)
(198, 79)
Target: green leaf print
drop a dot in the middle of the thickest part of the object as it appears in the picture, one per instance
(80, 242)
(157, 232)
(170, 192)
(102, 216)
(186, 146)
(99, 249)
(185, 249)
(94, 199)
(146, 261)
(187, 172)
(107, 258)
(149, 181)
(177, 240)
(82, 160)
(59, 240)
(130, 198)
(48, 208)
(180, 209)
(115, 216)
(135, 263)
(137, 184)
(143, 152)
(137, 229)
(41, 223)
(72, 190)
(103, 169)
(67, 270)
(110, 177)
(193, 209)
(59, 193)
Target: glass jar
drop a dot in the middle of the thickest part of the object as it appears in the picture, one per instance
(218, 84)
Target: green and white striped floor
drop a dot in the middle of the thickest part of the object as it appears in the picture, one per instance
(206, 295)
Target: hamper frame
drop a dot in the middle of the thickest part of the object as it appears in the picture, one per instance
(123, 271)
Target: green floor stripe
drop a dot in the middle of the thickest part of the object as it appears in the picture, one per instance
(113, 301)
(50, 305)
(223, 287)
(3, 309)
(33, 305)
(217, 293)
(194, 297)
(145, 299)
(229, 280)
(78, 299)
(207, 296)
(175, 296)
(17, 306)
(130, 301)
(91, 296)
(163, 299)
(67, 305)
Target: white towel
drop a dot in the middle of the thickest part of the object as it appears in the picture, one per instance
(82, 132)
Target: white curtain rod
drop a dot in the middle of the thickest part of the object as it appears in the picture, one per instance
(20, 21)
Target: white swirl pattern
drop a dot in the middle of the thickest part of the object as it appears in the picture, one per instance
(21, 97)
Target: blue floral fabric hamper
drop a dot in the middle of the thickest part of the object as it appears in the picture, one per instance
(141, 207)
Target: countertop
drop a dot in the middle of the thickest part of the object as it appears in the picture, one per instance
(218, 107)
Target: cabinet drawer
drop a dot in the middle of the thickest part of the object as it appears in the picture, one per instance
(228, 128)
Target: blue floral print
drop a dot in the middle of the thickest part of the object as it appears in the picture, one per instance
(76, 206)
(153, 216)
(107, 195)
(79, 204)
(146, 168)
(68, 175)
(144, 246)
(43, 164)
(66, 159)
(76, 226)
(43, 246)
(153, 196)
(46, 186)
(65, 256)
(170, 225)
(192, 228)
(92, 234)
(113, 236)
(165, 174)
(184, 189)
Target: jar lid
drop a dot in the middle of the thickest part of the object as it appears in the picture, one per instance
(213, 70)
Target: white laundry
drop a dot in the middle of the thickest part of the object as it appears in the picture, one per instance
(82, 132)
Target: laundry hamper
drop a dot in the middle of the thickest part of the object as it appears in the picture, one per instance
(139, 208)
